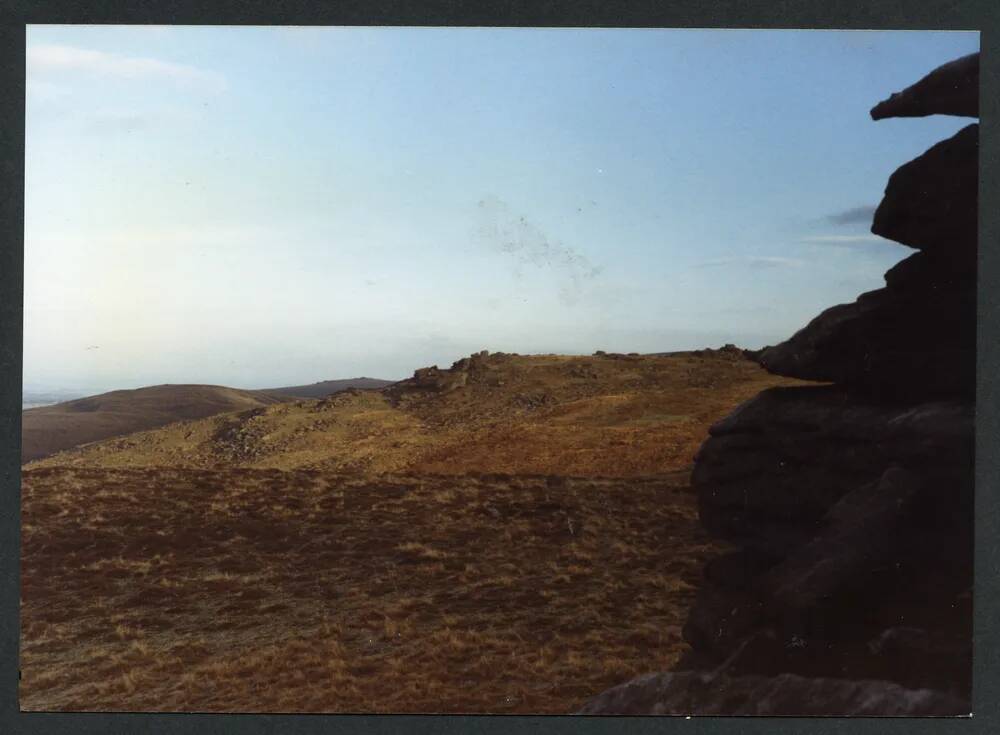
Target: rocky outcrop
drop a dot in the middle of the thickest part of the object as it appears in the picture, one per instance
(951, 89)
(850, 504)
(770, 471)
(932, 202)
(913, 339)
(686, 692)
(437, 380)
(916, 337)
(728, 351)
(480, 367)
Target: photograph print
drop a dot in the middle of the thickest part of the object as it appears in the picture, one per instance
(498, 370)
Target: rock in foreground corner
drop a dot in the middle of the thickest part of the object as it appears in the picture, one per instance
(932, 202)
(693, 693)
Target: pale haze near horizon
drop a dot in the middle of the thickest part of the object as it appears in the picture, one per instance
(259, 207)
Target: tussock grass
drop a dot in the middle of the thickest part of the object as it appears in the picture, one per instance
(588, 416)
(515, 545)
(247, 590)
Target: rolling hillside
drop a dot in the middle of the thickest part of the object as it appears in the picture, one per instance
(324, 388)
(49, 429)
(259, 590)
(602, 415)
(512, 534)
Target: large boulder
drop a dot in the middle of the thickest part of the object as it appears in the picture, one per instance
(771, 470)
(693, 693)
(951, 89)
(434, 379)
(871, 567)
(851, 505)
(813, 585)
(913, 340)
(932, 202)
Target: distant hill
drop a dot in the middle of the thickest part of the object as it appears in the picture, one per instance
(38, 398)
(50, 429)
(328, 387)
(413, 508)
(605, 415)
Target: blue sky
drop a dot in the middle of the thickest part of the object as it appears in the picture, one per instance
(268, 206)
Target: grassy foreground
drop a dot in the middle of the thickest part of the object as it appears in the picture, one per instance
(260, 590)
(513, 535)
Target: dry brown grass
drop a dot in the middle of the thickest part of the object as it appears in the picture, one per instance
(541, 414)
(515, 545)
(50, 429)
(257, 590)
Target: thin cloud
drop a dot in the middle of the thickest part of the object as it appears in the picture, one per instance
(46, 58)
(853, 216)
(846, 241)
(756, 262)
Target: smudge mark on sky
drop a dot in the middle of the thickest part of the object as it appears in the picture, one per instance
(503, 231)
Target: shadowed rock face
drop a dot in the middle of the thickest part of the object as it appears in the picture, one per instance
(816, 607)
(833, 503)
(769, 472)
(932, 203)
(914, 339)
(689, 692)
(951, 89)
(851, 504)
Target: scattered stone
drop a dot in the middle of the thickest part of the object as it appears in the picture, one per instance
(437, 380)
(726, 352)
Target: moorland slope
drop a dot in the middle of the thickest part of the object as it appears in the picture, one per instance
(511, 534)
(326, 387)
(268, 591)
(601, 415)
(50, 429)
